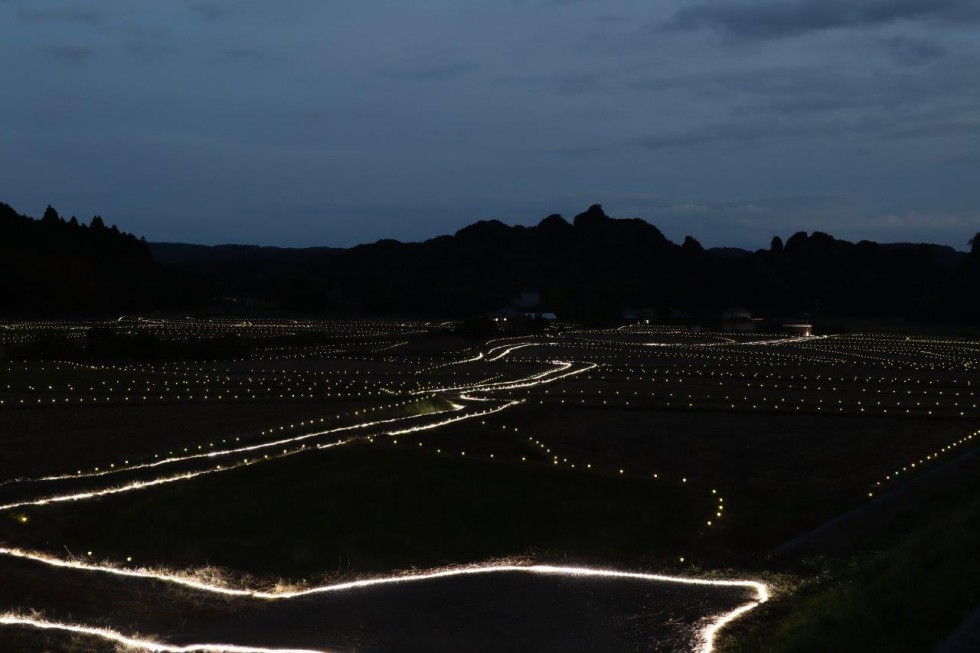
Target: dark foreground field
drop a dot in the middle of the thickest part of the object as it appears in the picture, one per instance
(489, 612)
(397, 446)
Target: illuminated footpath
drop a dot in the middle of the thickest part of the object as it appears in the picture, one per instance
(467, 402)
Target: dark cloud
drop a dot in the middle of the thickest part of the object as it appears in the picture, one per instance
(149, 43)
(794, 92)
(742, 132)
(250, 55)
(430, 72)
(69, 53)
(150, 52)
(454, 111)
(583, 151)
(772, 19)
(913, 51)
(758, 131)
(954, 129)
(88, 15)
(563, 83)
(562, 3)
(212, 11)
(834, 105)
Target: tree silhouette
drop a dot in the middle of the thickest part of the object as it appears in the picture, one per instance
(691, 245)
(50, 216)
(53, 266)
(588, 269)
(776, 245)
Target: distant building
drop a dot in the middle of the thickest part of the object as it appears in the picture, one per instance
(551, 317)
(645, 315)
(508, 313)
(738, 320)
(503, 314)
(800, 325)
(529, 300)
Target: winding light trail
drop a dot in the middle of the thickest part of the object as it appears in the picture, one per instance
(707, 635)
(540, 378)
(237, 450)
(451, 420)
(13, 619)
(465, 394)
(164, 480)
(734, 343)
(509, 348)
(142, 485)
(536, 379)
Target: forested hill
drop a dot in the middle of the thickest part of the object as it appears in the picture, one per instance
(59, 266)
(588, 269)
(594, 266)
(183, 254)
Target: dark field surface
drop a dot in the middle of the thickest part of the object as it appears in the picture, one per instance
(501, 612)
(636, 448)
(780, 474)
(370, 508)
(505, 611)
(59, 440)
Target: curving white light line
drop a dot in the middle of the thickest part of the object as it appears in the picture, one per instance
(536, 379)
(451, 420)
(142, 485)
(509, 348)
(514, 385)
(735, 343)
(238, 450)
(540, 378)
(129, 487)
(708, 634)
(12, 619)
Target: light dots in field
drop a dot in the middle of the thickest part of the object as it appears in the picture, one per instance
(366, 373)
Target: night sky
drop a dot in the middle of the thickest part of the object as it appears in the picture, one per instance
(334, 122)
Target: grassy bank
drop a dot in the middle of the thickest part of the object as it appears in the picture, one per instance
(905, 592)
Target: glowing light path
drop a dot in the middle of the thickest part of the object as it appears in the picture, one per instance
(540, 378)
(468, 393)
(12, 619)
(237, 450)
(451, 420)
(707, 635)
(548, 376)
(509, 348)
(733, 343)
(164, 480)
(503, 349)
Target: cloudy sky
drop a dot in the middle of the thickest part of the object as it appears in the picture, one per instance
(333, 122)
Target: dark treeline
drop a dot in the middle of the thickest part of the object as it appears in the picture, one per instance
(592, 268)
(278, 276)
(59, 266)
(589, 269)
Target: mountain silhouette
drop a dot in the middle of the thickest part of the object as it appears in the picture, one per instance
(589, 270)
